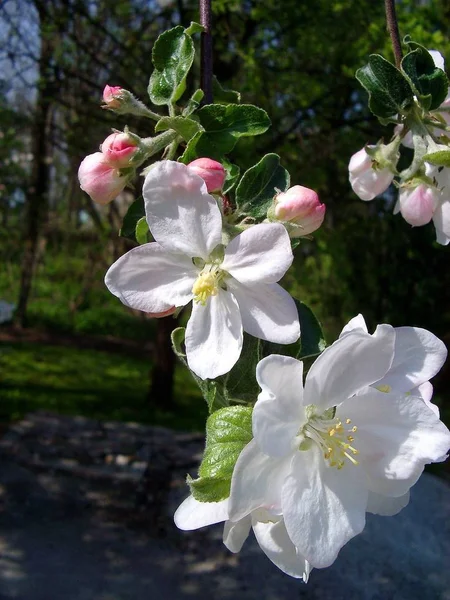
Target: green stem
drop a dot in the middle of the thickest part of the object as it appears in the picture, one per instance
(158, 143)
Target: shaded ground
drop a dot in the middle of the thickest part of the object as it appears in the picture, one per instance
(69, 534)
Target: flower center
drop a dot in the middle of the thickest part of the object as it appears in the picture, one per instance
(333, 438)
(207, 283)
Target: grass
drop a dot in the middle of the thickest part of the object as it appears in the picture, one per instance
(91, 383)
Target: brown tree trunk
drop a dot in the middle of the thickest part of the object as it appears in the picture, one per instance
(37, 193)
(163, 370)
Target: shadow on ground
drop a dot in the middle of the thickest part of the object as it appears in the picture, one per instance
(64, 536)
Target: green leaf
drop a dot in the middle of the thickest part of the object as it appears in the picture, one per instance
(193, 103)
(194, 28)
(440, 159)
(224, 125)
(311, 342)
(429, 82)
(389, 91)
(228, 431)
(177, 336)
(259, 185)
(187, 128)
(233, 172)
(134, 213)
(142, 231)
(172, 56)
(223, 96)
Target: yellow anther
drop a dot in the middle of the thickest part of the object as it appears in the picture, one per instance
(331, 431)
(384, 388)
(350, 438)
(354, 428)
(206, 285)
(348, 421)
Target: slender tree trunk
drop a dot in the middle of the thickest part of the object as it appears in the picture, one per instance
(163, 370)
(37, 196)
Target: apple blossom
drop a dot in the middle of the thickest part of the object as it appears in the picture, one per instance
(112, 96)
(269, 530)
(233, 285)
(324, 454)
(99, 179)
(418, 356)
(211, 171)
(418, 204)
(441, 216)
(119, 149)
(366, 180)
(301, 207)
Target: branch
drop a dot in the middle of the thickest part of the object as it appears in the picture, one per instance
(206, 56)
(392, 24)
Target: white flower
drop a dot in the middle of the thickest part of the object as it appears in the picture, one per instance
(234, 287)
(418, 356)
(366, 181)
(323, 455)
(269, 530)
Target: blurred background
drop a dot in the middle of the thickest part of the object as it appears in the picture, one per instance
(72, 348)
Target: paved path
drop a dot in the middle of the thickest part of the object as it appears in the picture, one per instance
(64, 537)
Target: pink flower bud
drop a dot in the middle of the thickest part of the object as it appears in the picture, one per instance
(118, 149)
(300, 206)
(418, 205)
(366, 181)
(211, 171)
(112, 96)
(99, 179)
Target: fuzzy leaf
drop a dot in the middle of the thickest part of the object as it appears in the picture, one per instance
(187, 128)
(223, 96)
(259, 185)
(429, 82)
(228, 431)
(193, 103)
(440, 159)
(233, 172)
(172, 56)
(389, 91)
(224, 125)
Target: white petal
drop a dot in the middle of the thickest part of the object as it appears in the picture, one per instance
(354, 361)
(357, 322)
(323, 507)
(278, 413)
(426, 391)
(260, 254)
(192, 514)
(256, 482)
(214, 336)
(438, 59)
(276, 544)
(235, 533)
(441, 220)
(397, 435)
(268, 312)
(148, 278)
(182, 216)
(386, 506)
(418, 356)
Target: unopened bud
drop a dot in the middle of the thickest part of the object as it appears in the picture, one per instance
(118, 149)
(211, 171)
(418, 204)
(366, 180)
(99, 179)
(112, 96)
(301, 207)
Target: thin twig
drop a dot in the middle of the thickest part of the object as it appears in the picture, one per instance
(392, 25)
(206, 59)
